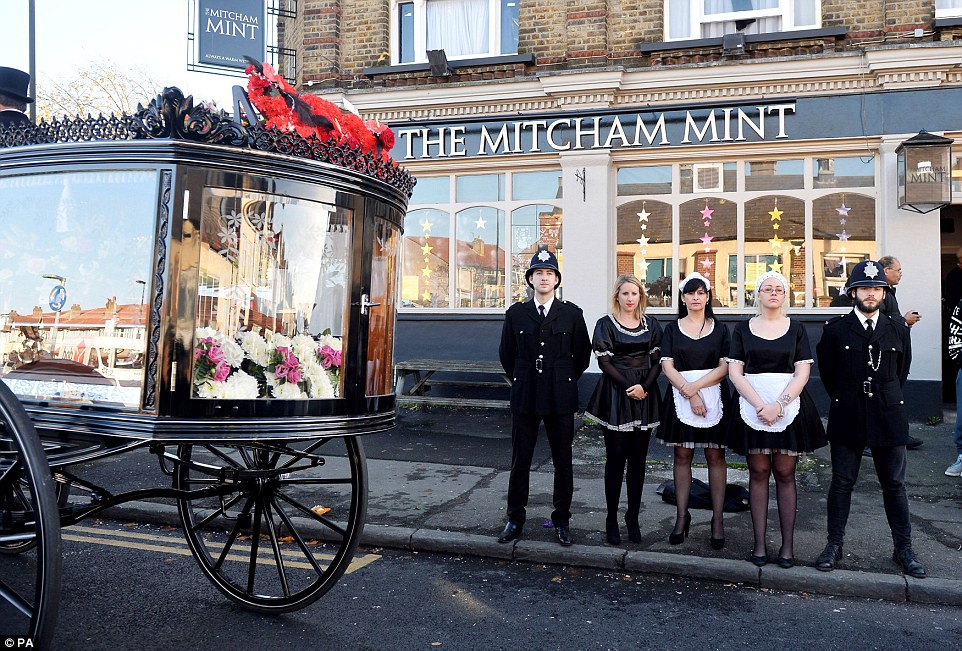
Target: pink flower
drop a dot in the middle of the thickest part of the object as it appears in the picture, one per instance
(197, 353)
(215, 354)
(330, 357)
(223, 370)
(294, 375)
(280, 371)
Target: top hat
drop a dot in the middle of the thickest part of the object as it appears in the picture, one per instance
(15, 84)
(542, 259)
(867, 273)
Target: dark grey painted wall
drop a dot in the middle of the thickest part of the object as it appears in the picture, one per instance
(476, 337)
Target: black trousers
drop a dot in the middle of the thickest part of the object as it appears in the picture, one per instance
(524, 435)
(890, 468)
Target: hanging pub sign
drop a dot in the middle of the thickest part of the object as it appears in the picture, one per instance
(925, 172)
(227, 30)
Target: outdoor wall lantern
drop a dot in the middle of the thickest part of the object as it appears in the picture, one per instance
(924, 169)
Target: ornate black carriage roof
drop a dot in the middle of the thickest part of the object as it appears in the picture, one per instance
(173, 116)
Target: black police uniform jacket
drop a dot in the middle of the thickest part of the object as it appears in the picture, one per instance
(867, 403)
(544, 358)
(10, 118)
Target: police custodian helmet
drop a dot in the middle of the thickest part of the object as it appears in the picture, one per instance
(867, 273)
(542, 259)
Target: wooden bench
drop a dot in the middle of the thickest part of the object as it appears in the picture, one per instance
(423, 370)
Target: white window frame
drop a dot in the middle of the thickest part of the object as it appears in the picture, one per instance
(948, 12)
(785, 10)
(420, 33)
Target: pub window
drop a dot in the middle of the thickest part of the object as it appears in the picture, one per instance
(644, 248)
(769, 175)
(847, 172)
(957, 176)
(707, 230)
(431, 190)
(462, 28)
(531, 227)
(948, 8)
(650, 179)
(775, 241)
(699, 178)
(536, 185)
(480, 187)
(425, 255)
(480, 245)
(843, 234)
(694, 19)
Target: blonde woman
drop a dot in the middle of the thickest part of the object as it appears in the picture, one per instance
(625, 402)
(774, 420)
(693, 354)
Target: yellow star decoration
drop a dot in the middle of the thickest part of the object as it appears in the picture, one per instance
(776, 242)
(776, 214)
(426, 226)
(426, 296)
(774, 227)
(426, 272)
(776, 267)
(426, 249)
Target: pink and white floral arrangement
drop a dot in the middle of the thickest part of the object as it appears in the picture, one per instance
(249, 366)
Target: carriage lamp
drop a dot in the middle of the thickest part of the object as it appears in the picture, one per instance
(924, 172)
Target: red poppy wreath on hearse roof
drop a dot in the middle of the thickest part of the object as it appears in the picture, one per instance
(286, 110)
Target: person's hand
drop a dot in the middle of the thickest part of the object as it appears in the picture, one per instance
(911, 318)
(770, 413)
(637, 392)
(688, 390)
(698, 405)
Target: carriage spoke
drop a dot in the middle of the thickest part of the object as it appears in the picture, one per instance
(255, 543)
(221, 510)
(297, 537)
(311, 514)
(14, 599)
(232, 537)
(276, 548)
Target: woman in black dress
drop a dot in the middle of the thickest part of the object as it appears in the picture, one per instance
(626, 344)
(693, 353)
(769, 363)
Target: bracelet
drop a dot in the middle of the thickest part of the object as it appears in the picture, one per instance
(784, 400)
(781, 409)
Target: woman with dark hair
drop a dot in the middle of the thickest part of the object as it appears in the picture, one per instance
(693, 352)
(626, 344)
(774, 420)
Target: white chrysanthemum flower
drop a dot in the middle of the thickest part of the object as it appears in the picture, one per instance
(240, 386)
(329, 340)
(206, 390)
(281, 340)
(233, 353)
(203, 333)
(287, 391)
(319, 383)
(255, 347)
(304, 347)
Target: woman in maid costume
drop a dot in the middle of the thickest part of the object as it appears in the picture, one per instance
(774, 420)
(625, 401)
(693, 352)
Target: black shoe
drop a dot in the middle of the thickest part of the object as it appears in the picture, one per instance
(634, 530)
(914, 443)
(786, 562)
(910, 564)
(564, 535)
(829, 557)
(758, 561)
(612, 535)
(867, 452)
(679, 538)
(716, 543)
(512, 531)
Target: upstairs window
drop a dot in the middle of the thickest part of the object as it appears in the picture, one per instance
(948, 8)
(695, 19)
(462, 28)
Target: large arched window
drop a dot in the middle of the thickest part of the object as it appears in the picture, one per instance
(424, 275)
(644, 247)
(709, 244)
(532, 226)
(481, 254)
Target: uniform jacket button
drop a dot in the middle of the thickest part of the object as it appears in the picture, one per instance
(901, 402)
(846, 348)
(542, 343)
(540, 356)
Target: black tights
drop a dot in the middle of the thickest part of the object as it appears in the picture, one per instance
(625, 449)
(760, 468)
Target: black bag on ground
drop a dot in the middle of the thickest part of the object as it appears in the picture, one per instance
(736, 496)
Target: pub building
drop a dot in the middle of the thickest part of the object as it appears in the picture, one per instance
(729, 151)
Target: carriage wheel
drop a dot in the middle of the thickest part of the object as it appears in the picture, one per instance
(18, 499)
(29, 583)
(287, 524)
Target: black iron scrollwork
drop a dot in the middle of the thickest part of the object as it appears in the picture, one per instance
(171, 115)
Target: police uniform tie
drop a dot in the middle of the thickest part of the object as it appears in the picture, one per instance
(541, 310)
(868, 327)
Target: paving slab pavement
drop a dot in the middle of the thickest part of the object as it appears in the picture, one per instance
(438, 483)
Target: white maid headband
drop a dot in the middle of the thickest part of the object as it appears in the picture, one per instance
(694, 276)
(768, 275)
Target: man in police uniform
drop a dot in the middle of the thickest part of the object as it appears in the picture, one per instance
(544, 348)
(864, 360)
(14, 85)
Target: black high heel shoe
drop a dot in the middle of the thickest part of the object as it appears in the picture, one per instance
(612, 534)
(679, 538)
(716, 543)
(634, 529)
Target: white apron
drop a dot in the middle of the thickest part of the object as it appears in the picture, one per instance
(769, 387)
(711, 397)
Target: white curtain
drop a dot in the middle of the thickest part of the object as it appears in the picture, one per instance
(948, 4)
(679, 16)
(760, 26)
(459, 27)
(806, 12)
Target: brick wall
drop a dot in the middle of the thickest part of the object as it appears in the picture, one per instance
(319, 54)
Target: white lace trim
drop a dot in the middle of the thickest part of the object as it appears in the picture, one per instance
(791, 453)
(711, 330)
(732, 360)
(631, 333)
(627, 427)
(805, 361)
(667, 359)
(602, 353)
(689, 445)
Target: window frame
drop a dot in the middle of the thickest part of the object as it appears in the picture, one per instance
(420, 33)
(698, 18)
